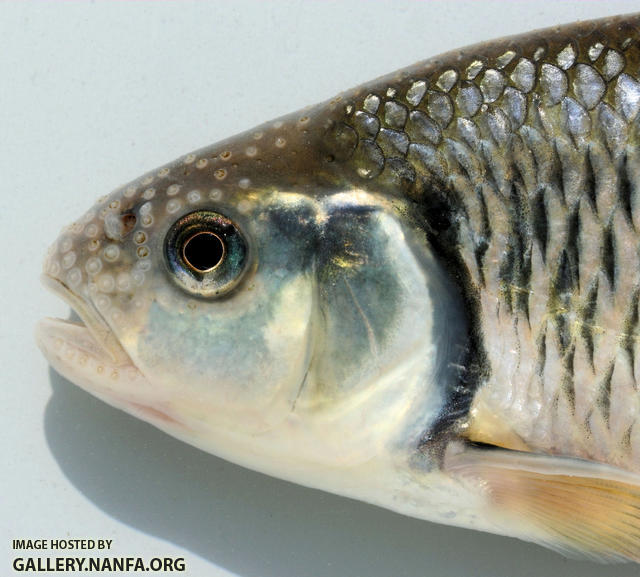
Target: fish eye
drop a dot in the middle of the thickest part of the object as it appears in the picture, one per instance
(205, 253)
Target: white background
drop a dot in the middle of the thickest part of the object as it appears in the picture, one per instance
(92, 95)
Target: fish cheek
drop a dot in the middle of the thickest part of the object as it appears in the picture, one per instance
(238, 360)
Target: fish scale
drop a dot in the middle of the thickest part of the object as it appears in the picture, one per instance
(541, 135)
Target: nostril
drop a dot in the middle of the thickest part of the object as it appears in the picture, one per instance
(116, 227)
(128, 222)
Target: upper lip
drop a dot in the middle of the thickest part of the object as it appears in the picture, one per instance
(95, 323)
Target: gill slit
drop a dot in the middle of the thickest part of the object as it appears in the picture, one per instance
(311, 336)
(373, 345)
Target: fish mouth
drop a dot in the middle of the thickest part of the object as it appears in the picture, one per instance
(92, 334)
(88, 354)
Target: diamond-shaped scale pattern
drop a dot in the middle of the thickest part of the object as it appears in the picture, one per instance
(536, 149)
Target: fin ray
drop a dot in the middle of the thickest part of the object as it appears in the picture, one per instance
(580, 508)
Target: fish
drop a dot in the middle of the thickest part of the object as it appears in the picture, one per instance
(422, 293)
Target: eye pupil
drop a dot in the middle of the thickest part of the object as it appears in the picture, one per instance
(203, 251)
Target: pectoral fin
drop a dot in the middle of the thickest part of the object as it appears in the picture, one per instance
(485, 426)
(579, 508)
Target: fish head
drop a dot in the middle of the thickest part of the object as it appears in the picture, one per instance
(270, 319)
